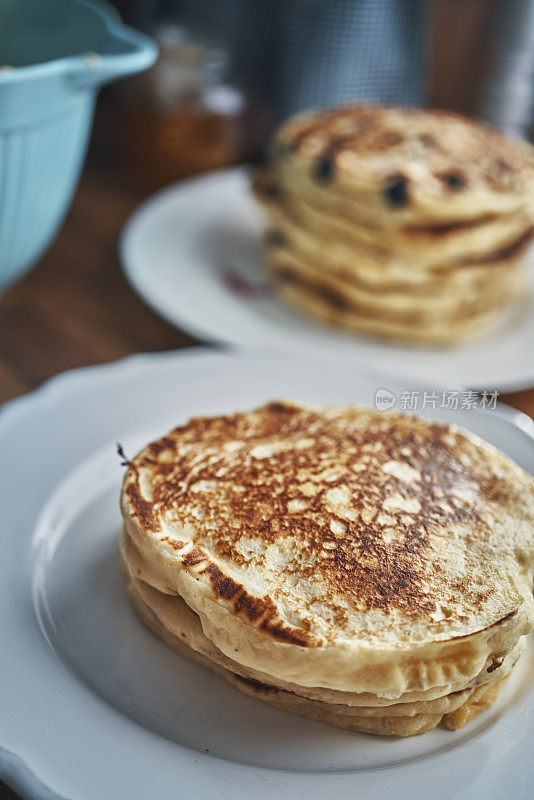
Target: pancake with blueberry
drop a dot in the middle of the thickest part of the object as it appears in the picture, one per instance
(434, 206)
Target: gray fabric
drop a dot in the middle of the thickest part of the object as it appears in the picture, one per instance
(507, 95)
(297, 54)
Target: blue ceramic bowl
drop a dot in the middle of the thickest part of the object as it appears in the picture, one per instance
(54, 56)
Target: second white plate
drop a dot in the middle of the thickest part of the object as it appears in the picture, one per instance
(192, 253)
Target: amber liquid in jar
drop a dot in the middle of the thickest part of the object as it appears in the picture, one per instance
(182, 119)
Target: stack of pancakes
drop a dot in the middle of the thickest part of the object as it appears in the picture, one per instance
(398, 222)
(369, 570)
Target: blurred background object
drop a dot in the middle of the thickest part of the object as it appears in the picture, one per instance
(230, 70)
(299, 54)
(54, 59)
(293, 54)
(507, 93)
(182, 117)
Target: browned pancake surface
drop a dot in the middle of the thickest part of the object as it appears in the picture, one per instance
(369, 511)
(453, 156)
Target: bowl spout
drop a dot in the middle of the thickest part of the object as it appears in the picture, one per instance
(123, 51)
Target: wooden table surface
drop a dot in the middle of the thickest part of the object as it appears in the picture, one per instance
(76, 308)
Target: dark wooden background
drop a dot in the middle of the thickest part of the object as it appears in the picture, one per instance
(75, 308)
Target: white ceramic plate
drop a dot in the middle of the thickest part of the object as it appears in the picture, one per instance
(93, 705)
(192, 253)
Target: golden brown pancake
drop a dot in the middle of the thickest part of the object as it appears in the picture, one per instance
(422, 201)
(408, 165)
(454, 710)
(336, 308)
(180, 622)
(339, 548)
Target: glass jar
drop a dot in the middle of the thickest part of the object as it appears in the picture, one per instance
(182, 118)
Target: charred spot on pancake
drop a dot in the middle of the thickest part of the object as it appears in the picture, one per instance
(286, 275)
(323, 170)
(334, 298)
(453, 180)
(271, 190)
(499, 174)
(284, 148)
(396, 191)
(141, 507)
(165, 443)
(387, 139)
(495, 664)
(258, 685)
(427, 141)
(278, 407)
(500, 167)
(275, 238)
(257, 609)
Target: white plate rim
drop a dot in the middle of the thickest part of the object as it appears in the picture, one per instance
(516, 381)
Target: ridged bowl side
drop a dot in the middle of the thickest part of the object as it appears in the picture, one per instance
(39, 169)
